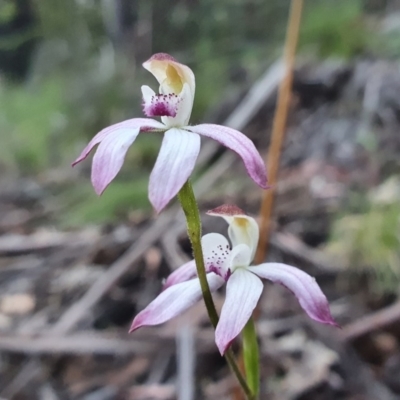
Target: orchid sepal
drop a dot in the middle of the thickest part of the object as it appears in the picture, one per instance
(182, 274)
(174, 165)
(302, 285)
(144, 124)
(241, 145)
(243, 291)
(113, 143)
(173, 301)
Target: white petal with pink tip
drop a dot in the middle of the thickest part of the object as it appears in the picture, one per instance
(302, 285)
(243, 291)
(122, 128)
(110, 156)
(173, 301)
(240, 144)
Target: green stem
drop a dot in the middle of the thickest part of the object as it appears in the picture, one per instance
(191, 211)
(230, 359)
(251, 356)
(189, 206)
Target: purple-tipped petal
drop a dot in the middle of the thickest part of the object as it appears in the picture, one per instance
(240, 144)
(144, 124)
(109, 158)
(173, 301)
(173, 167)
(242, 293)
(182, 274)
(302, 285)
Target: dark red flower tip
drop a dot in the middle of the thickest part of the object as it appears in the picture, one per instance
(227, 210)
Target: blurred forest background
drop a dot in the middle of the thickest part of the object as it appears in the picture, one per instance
(68, 68)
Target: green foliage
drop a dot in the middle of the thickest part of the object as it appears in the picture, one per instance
(218, 38)
(84, 76)
(29, 117)
(81, 205)
(370, 241)
(8, 11)
(55, 18)
(335, 28)
(387, 44)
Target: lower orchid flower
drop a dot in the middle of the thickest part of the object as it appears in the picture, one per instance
(243, 284)
(181, 142)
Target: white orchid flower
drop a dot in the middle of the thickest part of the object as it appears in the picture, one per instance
(181, 143)
(243, 283)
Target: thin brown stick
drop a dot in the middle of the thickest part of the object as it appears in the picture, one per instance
(369, 323)
(279, 125)
(277, 136)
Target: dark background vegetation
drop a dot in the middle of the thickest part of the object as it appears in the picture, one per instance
(70, 68)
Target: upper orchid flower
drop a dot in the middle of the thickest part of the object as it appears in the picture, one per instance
(244, 286)
(181, 143)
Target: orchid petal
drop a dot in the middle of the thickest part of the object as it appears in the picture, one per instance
(302, 285)
(240, 144)
(243, 291)
(245, 230)
(170, 74)
(242, 228)
(182, 274)
(147, 93)
(216, 251)
(173, 167)
(159, 105)
(240, 257)
(144, 124)
(184, 104)
(110, 156)
(174, 301)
